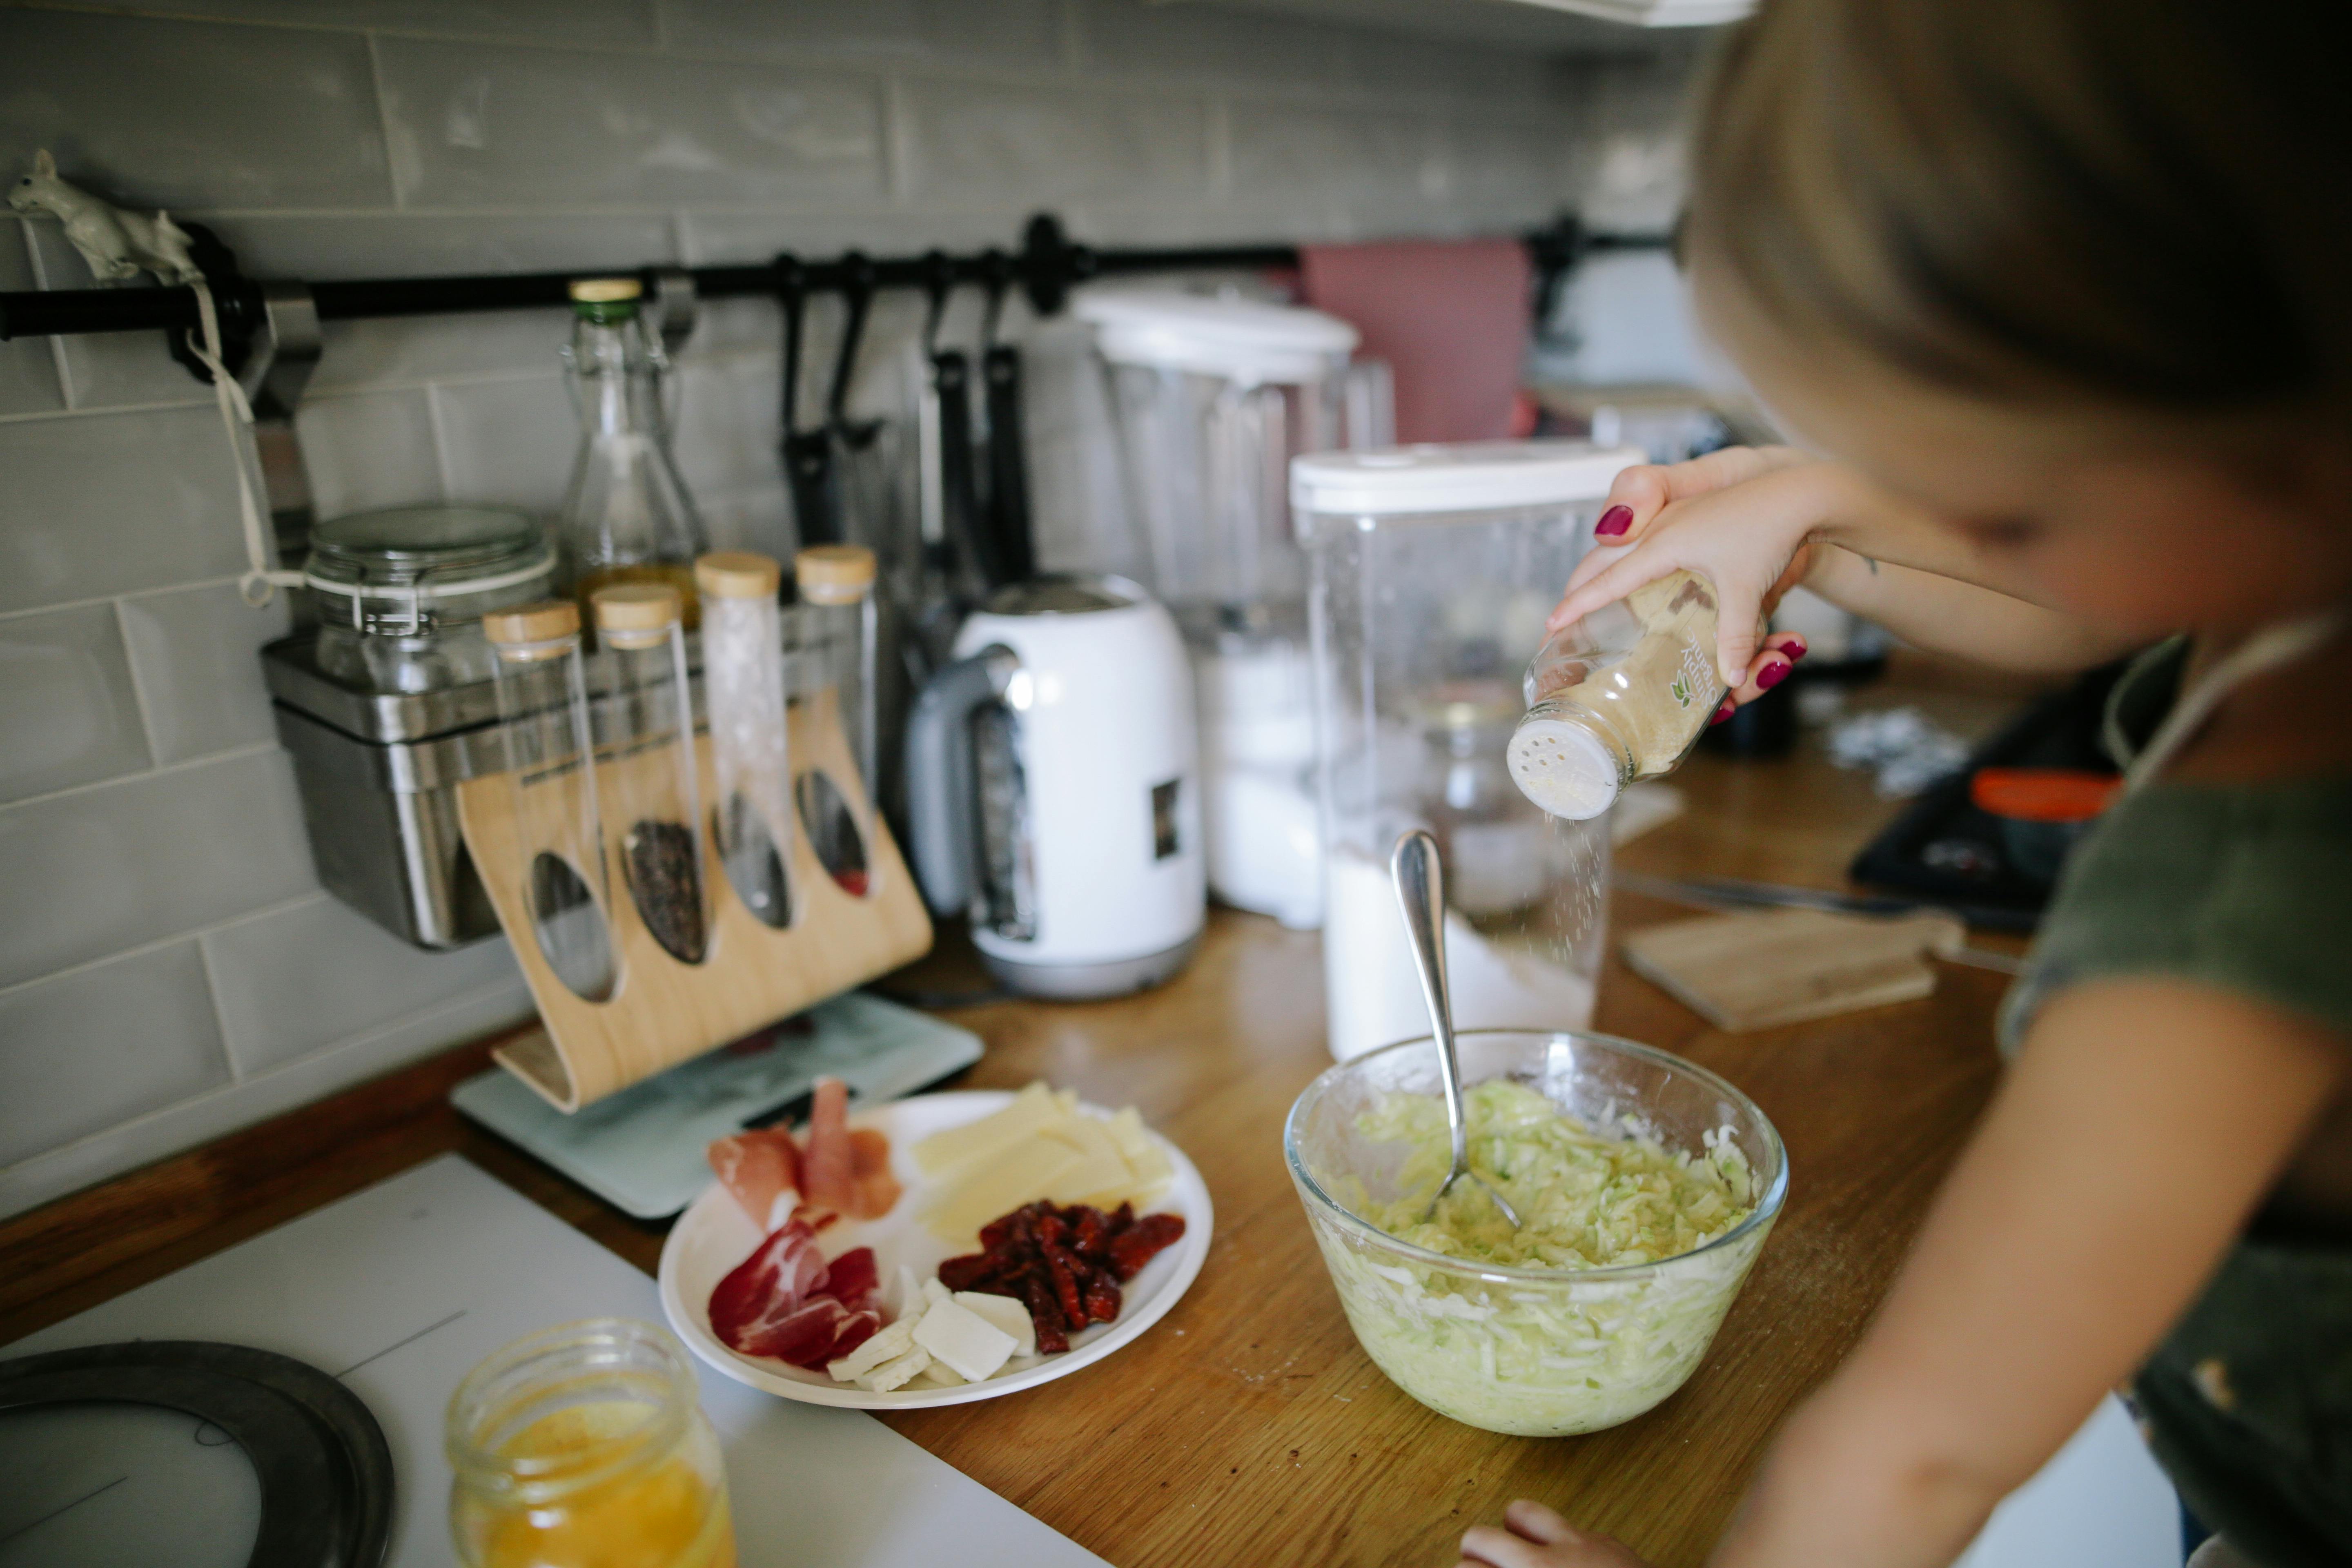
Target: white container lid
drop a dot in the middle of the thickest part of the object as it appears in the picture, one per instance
(1240, 339)
(1462, 475)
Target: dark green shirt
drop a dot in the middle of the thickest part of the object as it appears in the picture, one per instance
(2246, 888)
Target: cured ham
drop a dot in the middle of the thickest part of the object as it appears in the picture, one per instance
(759, 1167)
(830, 1169)
(786, 1300)
(874, 1191)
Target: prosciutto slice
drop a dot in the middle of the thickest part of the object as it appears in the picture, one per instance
(829, 1173)
(758, 1167)
(787, 1302)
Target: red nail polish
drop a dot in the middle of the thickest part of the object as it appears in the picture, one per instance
(1772, 674)
(1796, 650)
(1613, 521)
(1725, 711)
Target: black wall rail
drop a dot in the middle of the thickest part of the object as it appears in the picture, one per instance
(1047, 265)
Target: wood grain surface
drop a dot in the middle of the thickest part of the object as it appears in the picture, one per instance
(1248, 1427)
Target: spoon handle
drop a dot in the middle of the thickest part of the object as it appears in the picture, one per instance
(1421, 895)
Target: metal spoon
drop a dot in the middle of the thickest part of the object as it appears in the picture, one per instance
(1420, 894)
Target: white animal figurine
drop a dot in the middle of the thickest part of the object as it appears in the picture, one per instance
(115, 243)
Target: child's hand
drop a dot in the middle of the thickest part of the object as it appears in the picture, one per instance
(1742, 518)
(1538, 1538)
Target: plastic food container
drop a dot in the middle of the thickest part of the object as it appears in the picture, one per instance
(1433, 570)
(1533, 1352)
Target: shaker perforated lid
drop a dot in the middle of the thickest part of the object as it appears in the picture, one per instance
(1563, 768)
(1242, 340)
(1457, 477)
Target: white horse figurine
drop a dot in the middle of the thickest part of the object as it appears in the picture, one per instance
(116, 243)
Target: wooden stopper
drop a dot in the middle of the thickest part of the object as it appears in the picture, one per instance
(541, 621)
(635, 615)
(737, 575)
(605, 290)
(834, 573)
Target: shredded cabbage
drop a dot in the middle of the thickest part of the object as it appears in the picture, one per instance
(1543, 1358)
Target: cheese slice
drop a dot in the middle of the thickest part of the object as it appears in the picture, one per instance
(1091, 1174)
(1005, 1312)
(895, 1374)
(1032, 1111)
(883, 1345)
(939, 1374)
(967, 1341)
(1020, 1174)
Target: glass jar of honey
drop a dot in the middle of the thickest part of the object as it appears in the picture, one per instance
(584, 1447)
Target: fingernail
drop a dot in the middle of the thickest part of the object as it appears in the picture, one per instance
(1725, 711)
(1614, 521)
(1772, 674)
(1795, 649)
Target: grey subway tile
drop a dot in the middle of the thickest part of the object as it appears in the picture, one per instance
(475, 125)
(1506, 170)
(298, 980)
(28, 370)
(369, 449)
(979, 144)
(197, 654)
(555, 21)
(89, 1050)
(107, 370)
(193, 114)
(508, 442)
(1334, 157)
(113, 503)
(1019, 34)
(1198, 43)
(68, 714)
(414, 244)
(412, 350)
(95, 871)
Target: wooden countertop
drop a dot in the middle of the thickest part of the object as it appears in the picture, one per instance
(1248, 1427)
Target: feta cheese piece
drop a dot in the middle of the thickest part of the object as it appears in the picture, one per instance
(933, 1293)
(1005, 1312)
(906, 1298)
(895, 1374)
(939, 1374)
(883, 1344)
(967, 1341)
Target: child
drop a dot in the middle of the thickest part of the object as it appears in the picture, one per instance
(2060, 285)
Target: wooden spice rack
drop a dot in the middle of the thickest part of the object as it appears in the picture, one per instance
(661, 1011)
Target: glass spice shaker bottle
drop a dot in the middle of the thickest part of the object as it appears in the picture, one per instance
(648, 749)
(626, 516)
(1621, 695)
(743, 697)
(833, 636)
(584, 1445)
(550, 750)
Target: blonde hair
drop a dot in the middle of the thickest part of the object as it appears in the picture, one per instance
(2099, 203)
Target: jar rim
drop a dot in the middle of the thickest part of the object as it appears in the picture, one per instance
(434, 550)
(544, 1372)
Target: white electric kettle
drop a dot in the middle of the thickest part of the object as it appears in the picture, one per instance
(1053, 788)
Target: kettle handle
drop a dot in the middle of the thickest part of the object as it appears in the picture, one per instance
(942, 791)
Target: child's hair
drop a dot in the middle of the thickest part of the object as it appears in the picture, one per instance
(2062, 202)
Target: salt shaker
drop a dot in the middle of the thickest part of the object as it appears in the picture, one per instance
(743, 690)
(1621, 695)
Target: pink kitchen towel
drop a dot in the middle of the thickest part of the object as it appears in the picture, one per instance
(1451, 317)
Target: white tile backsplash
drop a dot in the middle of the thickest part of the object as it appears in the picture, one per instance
(473, 125)
(99, 870)
(140, 794)
(101, 1044)
(194, 652)
(68, 713)
(298, 980)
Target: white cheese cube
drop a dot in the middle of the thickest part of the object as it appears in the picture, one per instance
(933, 1293)
(907, 1297)
(1005, 1312)
(964, 1339)
(882, 1345)
(939, 1374)
(895, 1374)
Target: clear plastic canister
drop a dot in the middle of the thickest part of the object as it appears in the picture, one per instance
(750, 759)
(550, 754)
(1622, 694)
(1433, 568)
(648, 748)
(829, 641)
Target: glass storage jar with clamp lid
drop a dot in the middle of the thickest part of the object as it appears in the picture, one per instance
(401, 592)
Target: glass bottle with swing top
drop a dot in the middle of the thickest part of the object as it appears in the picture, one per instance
(648, 746)
(549, 753)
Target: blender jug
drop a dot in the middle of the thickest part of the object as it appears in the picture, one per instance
(1211, 398)
(1433, 568)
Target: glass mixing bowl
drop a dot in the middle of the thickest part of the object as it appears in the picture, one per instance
(1536, 1351)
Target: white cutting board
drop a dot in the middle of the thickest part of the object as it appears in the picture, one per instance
(409, 1283)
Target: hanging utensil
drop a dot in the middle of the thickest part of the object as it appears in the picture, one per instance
(1421, 895)
(951, 575)
(807, 454)
(1012, 551)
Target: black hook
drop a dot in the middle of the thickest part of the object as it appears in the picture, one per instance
(791, 296)
(857, 297)
(939, 281)
(997, 268)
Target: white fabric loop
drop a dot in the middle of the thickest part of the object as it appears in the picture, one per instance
(261, 581)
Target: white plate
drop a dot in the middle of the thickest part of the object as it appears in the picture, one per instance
(714, 1234)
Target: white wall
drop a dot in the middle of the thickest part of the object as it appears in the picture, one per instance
(169, 967)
